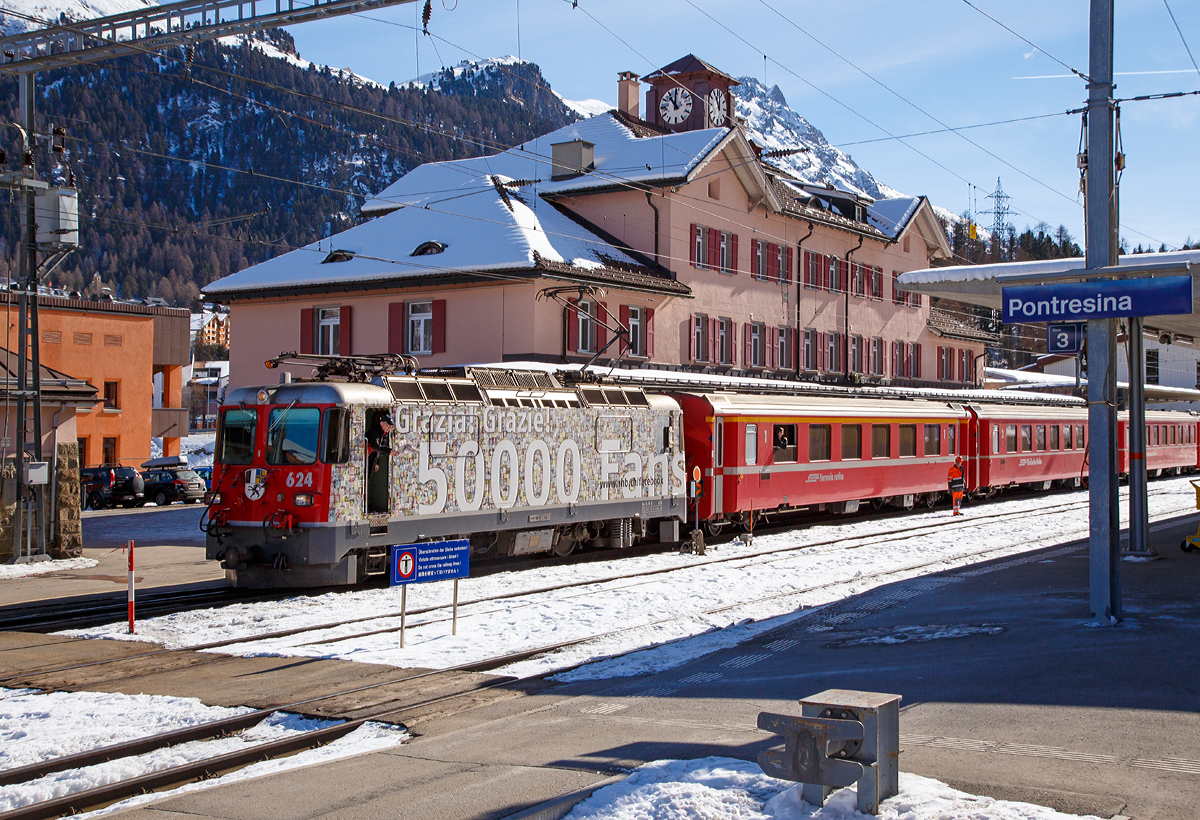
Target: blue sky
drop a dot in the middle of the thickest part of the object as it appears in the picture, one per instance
(943, 57)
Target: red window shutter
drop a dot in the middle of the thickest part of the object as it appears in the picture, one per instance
(772, 347)
(601, 332)
(733, 250)
(916, 300)
(822, 352)
(439, 325)
(650, 333)
(692, 244)
(573, 326)
(806, 265)
(747, 346)
(690, 340)
(396, 335)
(787, 274)
(772, 262)
(895, 293)
(712, 340)
(827, 267)
(754, 243)
(916, 365)
(345, 331)
(306, 330)
(623, 343)
(895, 361)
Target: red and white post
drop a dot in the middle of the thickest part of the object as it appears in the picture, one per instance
(130, 548)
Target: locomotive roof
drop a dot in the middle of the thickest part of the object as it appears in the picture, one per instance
(311, 393)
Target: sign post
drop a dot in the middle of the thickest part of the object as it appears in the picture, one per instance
(130, 546)
(433, 561)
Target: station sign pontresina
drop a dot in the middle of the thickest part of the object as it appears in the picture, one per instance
(1102, 299)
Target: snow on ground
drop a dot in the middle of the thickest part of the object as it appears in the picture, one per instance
(720, 788)
(8, 571)
(822, 564)
(38, 726)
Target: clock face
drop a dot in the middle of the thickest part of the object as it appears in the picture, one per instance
(676, 106)
(716, 107)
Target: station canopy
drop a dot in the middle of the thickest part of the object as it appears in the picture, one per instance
(981, 284)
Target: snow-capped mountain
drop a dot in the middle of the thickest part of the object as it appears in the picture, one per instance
(775, 126)
(13, 17)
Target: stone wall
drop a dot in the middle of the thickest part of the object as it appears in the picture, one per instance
(66, 539)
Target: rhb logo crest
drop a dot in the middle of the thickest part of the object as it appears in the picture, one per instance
(256, 483)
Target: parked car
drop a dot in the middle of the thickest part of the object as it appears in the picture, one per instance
(205, 474)
(176, 484)
(107, 485)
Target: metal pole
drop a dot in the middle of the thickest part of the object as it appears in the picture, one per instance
(1103, 517)
(131, 587)
(454, 616)
(403, 608)
(1139, 513)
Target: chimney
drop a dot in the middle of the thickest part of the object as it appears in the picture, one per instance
(627, 94)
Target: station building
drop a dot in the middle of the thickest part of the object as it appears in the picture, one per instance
(664, 240)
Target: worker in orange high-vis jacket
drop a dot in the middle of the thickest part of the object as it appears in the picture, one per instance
(956, 479)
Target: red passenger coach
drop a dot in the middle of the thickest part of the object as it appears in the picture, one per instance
(1026, 445)
(1170, 442)
(766, 453)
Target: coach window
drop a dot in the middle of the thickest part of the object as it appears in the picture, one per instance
(908, 440)
(1067, 444)
(336, 448)
(1154, 434)
(995, 439)
(751, 443)
(952, 445)
(1054, 437)
(881, 441)
(933, 439)
(719, 442)
(1080, 438)
(292, 435)
(1040, 433)
(851, 441)
(1026, 438)
(784, 438)
(1010, 438)
(1173, 429)
(818, 442)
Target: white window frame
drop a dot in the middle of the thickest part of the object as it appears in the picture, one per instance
(637, 332)
(835, 351)
(585, 338)
(856, 354)
(700, 337)
(760, 252)
(810, 349)
(783, 357)
(756, 344)
(701, 246)
(329, 331)
(420, 326)
(726, 245)
(724, 341)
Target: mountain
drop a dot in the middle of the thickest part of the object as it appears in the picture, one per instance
(771, 123)
(194, 164)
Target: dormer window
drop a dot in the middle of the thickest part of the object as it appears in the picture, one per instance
(858, 213)
(338, 256)
(429, 248)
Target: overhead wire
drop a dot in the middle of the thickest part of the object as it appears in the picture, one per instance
(1182, 39)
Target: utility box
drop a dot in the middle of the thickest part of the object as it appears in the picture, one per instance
(57, 212)
(842, 737)
(36, 472)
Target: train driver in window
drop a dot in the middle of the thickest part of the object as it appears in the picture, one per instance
(379, 448)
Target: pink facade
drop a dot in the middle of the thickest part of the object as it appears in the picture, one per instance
(743, 269)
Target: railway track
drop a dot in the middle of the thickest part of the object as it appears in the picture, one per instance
(398, 708)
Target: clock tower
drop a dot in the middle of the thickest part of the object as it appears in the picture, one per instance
(689, 94)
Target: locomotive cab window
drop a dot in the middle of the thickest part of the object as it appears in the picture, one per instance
(908, 440)
(881, 441)
(933, 439)
(851, 442)
(336, 449)
(951, 444)
(751, 443)
(784, 441)
(237, 436)
(292, 435)
(818, 442)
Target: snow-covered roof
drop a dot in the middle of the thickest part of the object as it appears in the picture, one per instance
(621, 157)
(892, 215)
(1034, 380)
(1034, 267)
(484, 226)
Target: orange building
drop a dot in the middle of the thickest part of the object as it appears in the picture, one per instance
(119, 348)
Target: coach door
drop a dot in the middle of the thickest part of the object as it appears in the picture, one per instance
(718, 461)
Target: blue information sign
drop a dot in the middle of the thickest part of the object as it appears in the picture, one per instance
(434, 561)
(1065, 337)
(1080, 301)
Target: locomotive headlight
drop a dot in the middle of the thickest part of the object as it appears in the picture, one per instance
(263, 396)
(302, 499)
